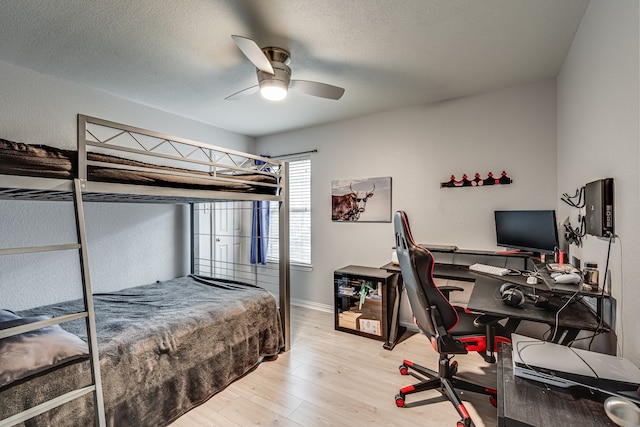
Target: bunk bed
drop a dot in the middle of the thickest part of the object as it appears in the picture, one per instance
(159, 355)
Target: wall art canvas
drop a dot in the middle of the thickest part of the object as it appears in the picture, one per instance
(361, 200)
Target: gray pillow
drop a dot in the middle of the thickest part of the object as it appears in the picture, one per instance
(7, 315)
(30, 353)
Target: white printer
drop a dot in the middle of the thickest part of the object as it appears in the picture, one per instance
(563, 366)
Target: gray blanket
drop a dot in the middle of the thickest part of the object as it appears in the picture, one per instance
(17, 158)
(164, 349)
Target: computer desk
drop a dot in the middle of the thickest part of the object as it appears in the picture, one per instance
(565, 323)
(485, 298)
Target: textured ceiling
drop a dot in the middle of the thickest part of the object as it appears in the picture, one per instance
(178, 56)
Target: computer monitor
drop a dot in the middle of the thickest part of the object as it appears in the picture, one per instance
(531, 231)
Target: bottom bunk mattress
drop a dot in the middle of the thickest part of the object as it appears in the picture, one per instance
(164, 348)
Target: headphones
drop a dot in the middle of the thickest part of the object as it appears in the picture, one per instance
(512, 295)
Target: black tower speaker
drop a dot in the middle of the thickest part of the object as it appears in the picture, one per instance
(598, 196)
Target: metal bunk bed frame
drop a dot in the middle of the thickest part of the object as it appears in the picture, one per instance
(153, 147)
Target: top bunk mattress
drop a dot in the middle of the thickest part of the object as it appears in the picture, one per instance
(22, 159)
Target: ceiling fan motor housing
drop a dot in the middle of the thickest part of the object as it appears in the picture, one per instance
(279, 59)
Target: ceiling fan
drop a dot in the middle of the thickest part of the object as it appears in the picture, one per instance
(274, 74)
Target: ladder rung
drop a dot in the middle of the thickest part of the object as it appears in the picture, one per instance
(44, 407)
(34, 249)
(41, 324)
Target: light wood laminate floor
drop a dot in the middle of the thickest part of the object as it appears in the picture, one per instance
(332, 378)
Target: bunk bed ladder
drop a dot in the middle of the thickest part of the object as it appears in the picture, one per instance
(88, 314)
(88, 304)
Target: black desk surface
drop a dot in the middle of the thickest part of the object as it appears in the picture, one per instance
(460, 271)
(485, 298)
(444, 271)
(522, 402)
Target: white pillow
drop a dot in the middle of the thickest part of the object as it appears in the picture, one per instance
(31, 353)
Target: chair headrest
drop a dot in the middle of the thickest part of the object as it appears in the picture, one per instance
(416, 265)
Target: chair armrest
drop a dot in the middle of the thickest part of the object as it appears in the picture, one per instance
(487, 319)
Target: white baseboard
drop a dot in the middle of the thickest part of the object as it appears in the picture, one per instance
(312, 305)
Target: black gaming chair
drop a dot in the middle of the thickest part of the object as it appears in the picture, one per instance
(451, 330)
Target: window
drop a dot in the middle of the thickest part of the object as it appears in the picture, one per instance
(299, 215)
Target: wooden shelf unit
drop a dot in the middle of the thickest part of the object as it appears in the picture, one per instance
(371, 319)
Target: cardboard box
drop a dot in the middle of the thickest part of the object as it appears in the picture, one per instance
(370, 321)
(370, 326)
(348, 319)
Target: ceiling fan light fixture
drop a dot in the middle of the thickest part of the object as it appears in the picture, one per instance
(273, 90)
(274, 87)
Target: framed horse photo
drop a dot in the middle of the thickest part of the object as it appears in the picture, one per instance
(361, 200)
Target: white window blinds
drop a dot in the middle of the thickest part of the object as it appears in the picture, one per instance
(299, 215)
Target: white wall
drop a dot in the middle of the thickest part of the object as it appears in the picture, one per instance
(512, 129)
(598, 137)
(41, 109)
(128, 244)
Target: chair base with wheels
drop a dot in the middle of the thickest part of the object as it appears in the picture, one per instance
(445, 383)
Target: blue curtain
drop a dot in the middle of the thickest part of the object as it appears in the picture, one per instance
(259, 231)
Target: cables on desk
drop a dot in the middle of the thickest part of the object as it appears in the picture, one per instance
(558, 314)
(620, 322)
(604, 285)
(530, 273)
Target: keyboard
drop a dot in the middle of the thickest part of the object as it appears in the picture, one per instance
(489, 269)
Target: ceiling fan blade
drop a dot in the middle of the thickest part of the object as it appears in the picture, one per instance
(322, 90)
(243, 93)
(253, 52)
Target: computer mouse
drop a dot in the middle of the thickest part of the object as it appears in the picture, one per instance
(569, 278)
